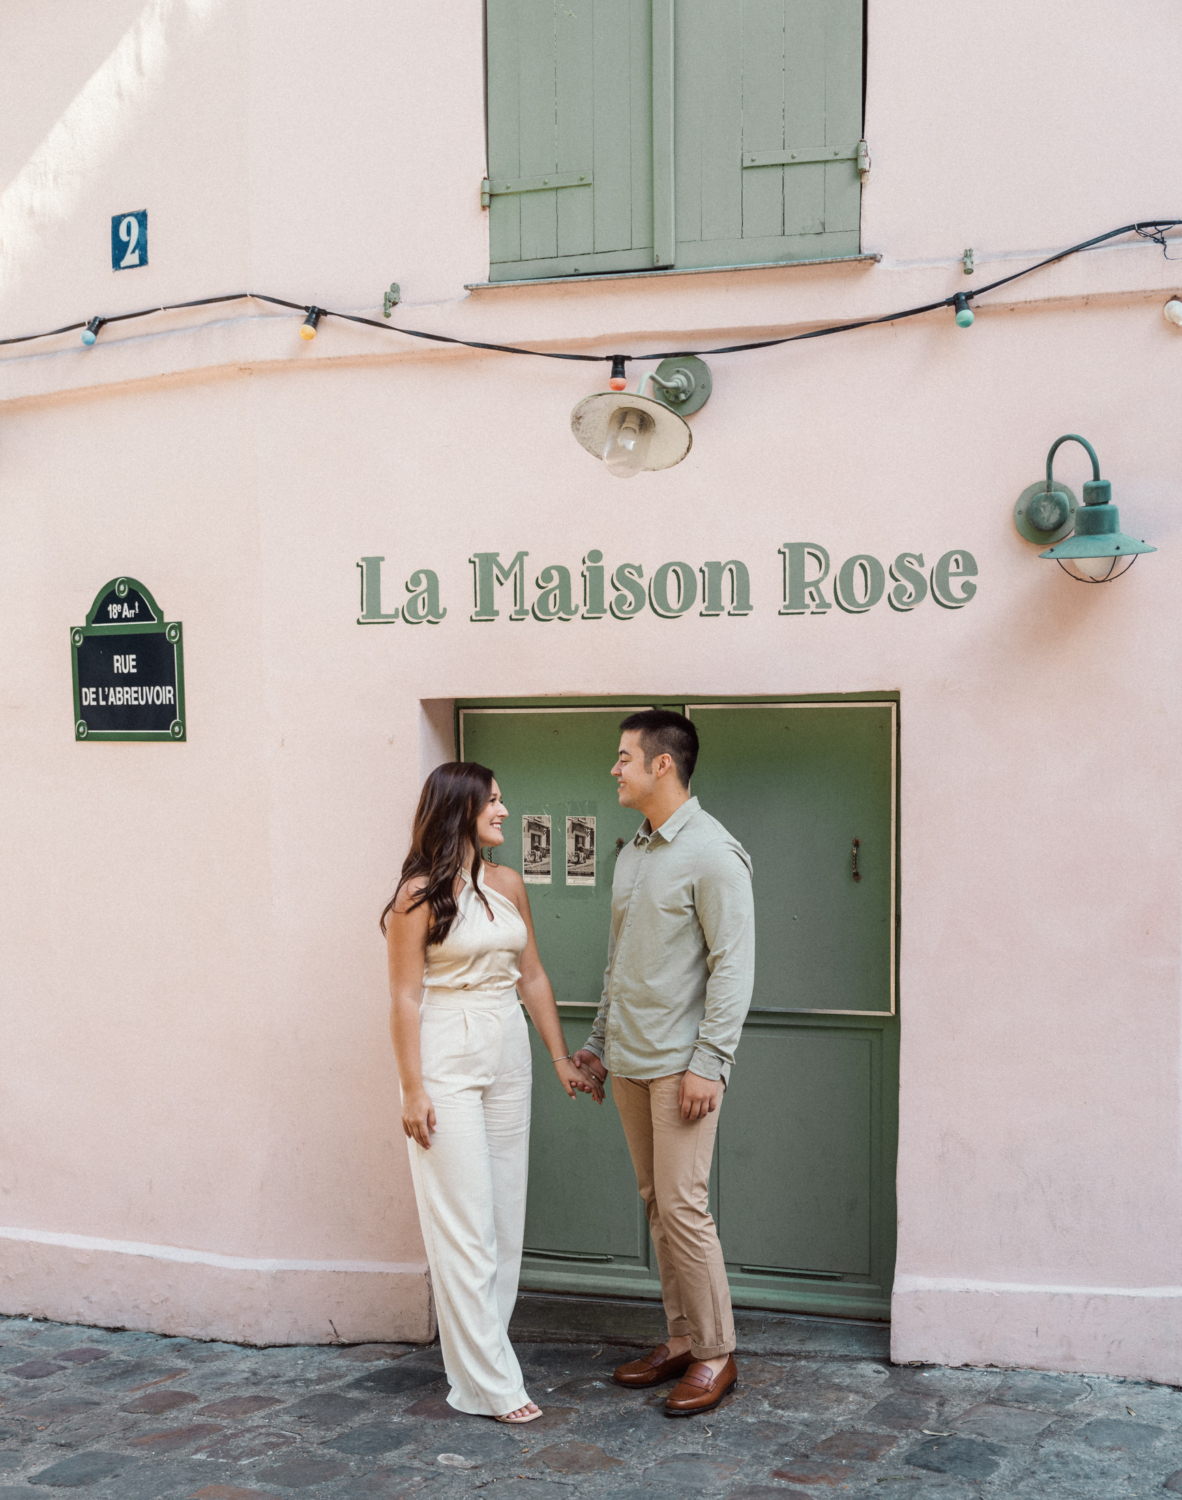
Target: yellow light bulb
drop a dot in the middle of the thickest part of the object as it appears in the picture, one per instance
(307, 332)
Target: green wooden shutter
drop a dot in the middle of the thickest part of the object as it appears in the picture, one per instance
(628, 134)
(569, 137)
(768, 120)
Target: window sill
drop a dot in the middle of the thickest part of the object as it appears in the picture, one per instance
(770, 265)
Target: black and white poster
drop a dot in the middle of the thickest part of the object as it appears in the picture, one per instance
(580, 850)
(535, 849)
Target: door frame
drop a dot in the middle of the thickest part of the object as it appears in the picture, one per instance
(852, 1299)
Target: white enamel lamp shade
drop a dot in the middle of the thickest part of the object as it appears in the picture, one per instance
(671, 437)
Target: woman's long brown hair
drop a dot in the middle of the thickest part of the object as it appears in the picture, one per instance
(452, 798)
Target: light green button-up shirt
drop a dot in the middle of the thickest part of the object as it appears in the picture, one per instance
(681, 958)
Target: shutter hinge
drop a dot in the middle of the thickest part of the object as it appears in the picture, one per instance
(863, 160)
(497, 187)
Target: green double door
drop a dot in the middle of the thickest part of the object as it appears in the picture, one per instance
(802, 1185)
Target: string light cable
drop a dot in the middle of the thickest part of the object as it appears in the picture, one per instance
(1152, 229)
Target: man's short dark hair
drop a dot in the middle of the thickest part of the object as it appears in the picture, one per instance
(662, 732)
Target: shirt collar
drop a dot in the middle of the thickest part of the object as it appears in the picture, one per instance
(672, 825)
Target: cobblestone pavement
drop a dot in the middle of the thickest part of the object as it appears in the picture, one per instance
(819, 1412)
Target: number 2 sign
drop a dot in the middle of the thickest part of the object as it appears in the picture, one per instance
(129, 240)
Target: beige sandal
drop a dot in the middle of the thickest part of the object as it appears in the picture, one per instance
(531, 1416)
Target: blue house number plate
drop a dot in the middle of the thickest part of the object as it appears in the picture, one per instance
(129, 240)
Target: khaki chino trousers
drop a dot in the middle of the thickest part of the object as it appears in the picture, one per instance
(672, 1159)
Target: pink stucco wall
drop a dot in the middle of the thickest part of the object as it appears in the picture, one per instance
(200, 1128)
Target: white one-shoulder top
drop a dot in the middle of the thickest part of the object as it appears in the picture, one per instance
(478, 954)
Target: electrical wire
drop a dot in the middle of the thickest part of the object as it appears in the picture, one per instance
(1142, 227)
(1158, 237)
(1153, 229)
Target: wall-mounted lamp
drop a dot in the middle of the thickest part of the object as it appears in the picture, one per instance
(308, 327)
(1096, 551)
(1172, 312)
(634, 433)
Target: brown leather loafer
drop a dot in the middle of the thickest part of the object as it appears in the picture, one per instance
(699, 1389)
(653, 1369)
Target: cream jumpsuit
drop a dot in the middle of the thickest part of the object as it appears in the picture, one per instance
(470, 1186)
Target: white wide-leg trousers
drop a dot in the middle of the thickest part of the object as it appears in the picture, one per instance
(470, 1187)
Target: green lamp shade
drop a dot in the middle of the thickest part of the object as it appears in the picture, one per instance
(1097, 534)
(1097, 551)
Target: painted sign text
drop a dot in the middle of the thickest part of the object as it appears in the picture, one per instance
(506, 587)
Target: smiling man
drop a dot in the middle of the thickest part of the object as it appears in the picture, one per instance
(681, 962)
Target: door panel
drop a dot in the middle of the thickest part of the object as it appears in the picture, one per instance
(811, 1104)
(556, 764)
(816, 1146)
(796, 784)
(577, 1210)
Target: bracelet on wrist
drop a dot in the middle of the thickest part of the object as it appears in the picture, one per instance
(568, 1058)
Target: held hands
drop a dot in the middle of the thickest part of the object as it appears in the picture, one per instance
(575, 1079)
(418, 1117)
(698, 1097)
(593, 1071)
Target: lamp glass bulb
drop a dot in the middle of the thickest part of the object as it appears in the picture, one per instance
(1173, 311)
(1097, 568)
(629, 436)
(307, 331)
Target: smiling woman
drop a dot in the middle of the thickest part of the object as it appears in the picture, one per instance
(461, 947)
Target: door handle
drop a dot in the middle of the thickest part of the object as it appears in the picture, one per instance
(856, 872)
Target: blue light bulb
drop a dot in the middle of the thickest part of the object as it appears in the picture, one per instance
(964, 313)
(90, 332)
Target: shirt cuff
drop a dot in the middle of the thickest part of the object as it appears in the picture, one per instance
(590, 1045)
(706, 1065)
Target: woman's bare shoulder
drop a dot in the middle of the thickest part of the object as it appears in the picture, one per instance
(504, 880)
